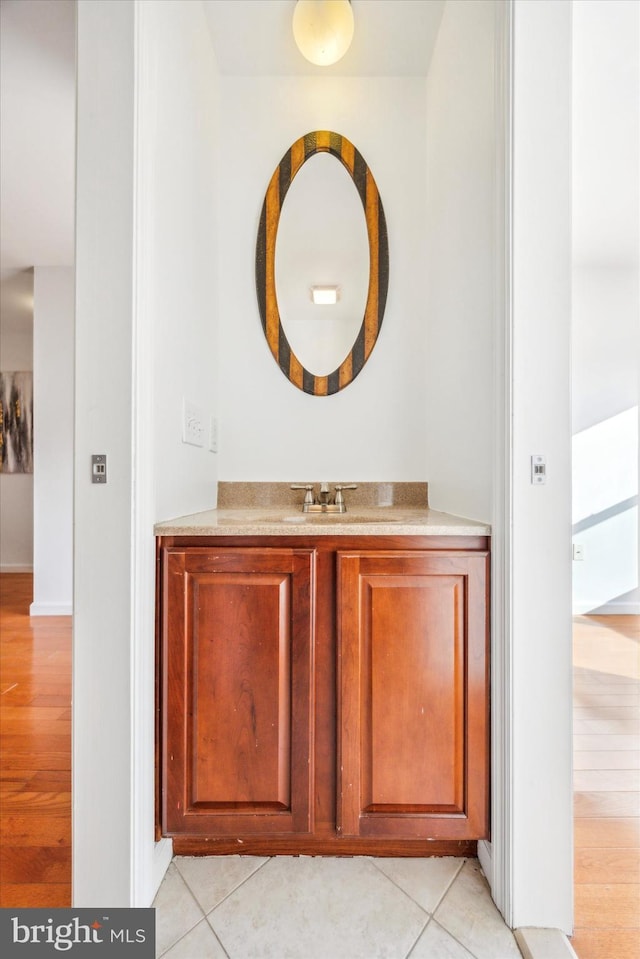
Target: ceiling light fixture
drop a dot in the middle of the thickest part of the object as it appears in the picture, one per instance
(323, 29)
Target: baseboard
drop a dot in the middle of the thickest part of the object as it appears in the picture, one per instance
(544, 944)
(10, 568)
(619, 609)
(607, 609)
(51, 609)
(485, 857)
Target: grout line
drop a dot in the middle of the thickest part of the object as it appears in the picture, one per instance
(409, 896)
(420, 935)
(240, 884)
(394, 883)
(446, 891)
(448, 931)
(189, 931)
(200, 910)
(455, 939)
(217, 937)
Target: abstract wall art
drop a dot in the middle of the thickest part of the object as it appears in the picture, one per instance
(16, 422)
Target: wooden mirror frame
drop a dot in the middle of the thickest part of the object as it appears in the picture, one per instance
(322, 141)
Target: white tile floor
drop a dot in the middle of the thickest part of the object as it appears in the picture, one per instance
(246, 907)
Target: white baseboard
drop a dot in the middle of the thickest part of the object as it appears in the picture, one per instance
(10, 568)
(485, 857)
(629, 608)
(619, 609)
(51, 609)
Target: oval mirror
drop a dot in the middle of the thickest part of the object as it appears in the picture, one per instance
(328, 242)
(322, 244)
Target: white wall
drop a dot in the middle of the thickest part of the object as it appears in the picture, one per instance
(102, 718)
(176, 325)
(460, 260)
(606, 303)
(374, 428)
(539, 724)
(53, 353)
(144, 335)
(181, 230)
(16, 489)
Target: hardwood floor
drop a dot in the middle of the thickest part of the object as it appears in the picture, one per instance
(35, 751)
(607, 786)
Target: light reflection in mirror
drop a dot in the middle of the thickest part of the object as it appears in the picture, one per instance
(322, 242)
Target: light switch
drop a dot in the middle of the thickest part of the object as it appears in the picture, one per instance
(99, 468)
(538, 469)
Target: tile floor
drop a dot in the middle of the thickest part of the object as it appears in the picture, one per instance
(246, 907)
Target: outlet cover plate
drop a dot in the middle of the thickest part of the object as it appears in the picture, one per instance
(192, 424)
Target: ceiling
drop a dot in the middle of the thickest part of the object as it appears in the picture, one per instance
(37, 132)
(37, 95)
(391, 38)
(250, 38)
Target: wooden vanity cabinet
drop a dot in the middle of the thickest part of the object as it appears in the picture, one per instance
(412, 702)
(237, 695)
(324, 695)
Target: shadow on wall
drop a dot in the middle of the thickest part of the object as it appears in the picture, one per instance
(605, 515)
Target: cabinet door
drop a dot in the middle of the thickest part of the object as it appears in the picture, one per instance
(238, 691)
(412, 685)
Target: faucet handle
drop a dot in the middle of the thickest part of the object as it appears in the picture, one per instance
(339, 497)
(308, 496)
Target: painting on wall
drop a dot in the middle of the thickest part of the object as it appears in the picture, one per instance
(16, 422)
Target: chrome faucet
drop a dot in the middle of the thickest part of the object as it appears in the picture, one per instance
(323, 502)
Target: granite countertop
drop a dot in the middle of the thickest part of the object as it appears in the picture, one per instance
(375, 509)
(380, 521)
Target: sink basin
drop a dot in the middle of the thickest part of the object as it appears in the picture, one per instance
(338, 518)
(301, 518)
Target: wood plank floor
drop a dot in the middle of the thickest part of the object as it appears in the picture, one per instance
(607, 786)
(35, 751)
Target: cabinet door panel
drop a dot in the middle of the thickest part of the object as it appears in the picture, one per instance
(238, 674)
(241, 688)
(413, 714)
(424, 680)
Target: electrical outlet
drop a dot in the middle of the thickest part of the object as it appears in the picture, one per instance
(192, 424)
(578, 552)
(213, 434)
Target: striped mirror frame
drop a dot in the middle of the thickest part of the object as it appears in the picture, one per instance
(322, 141)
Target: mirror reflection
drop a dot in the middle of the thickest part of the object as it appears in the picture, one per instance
(322, 246)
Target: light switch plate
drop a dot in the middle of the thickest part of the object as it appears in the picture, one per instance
(538, 469)
(99, 468)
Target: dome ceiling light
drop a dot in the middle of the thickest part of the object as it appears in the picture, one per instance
(323, 29)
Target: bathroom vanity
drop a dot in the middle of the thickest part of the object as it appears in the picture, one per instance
(323, 680)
